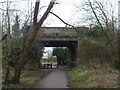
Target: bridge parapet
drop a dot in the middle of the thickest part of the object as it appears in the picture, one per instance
(57, 34)
(57, 31)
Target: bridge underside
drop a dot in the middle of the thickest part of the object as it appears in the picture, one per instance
(72, 48)
(59, 43)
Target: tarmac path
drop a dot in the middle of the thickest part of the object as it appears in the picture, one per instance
(56, 79)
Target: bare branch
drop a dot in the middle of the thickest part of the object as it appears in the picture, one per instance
(46, 13)
(4, 37)
(100, 23)
(2, 9)
(36, 11)
(64, 21)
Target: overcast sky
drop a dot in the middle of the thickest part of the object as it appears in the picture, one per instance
(65, 9)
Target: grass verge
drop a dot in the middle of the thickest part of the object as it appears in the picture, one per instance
(94, 77)
(29, 79)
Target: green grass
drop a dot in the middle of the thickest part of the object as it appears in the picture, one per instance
(79, 81)
(23, 81)
(74, 75)
(29, 80)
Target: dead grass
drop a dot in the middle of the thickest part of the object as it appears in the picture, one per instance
(94, 77)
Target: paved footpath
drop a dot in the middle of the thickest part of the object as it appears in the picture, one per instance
(56, 79)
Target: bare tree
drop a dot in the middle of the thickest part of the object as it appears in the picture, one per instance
(36, 26)
(7, 34)
(103, 13)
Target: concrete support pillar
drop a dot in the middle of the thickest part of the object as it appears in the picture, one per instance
(72, 56)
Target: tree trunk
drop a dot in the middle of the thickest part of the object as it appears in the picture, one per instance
(7, 76)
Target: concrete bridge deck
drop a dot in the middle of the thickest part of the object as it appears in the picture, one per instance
(57, 34)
